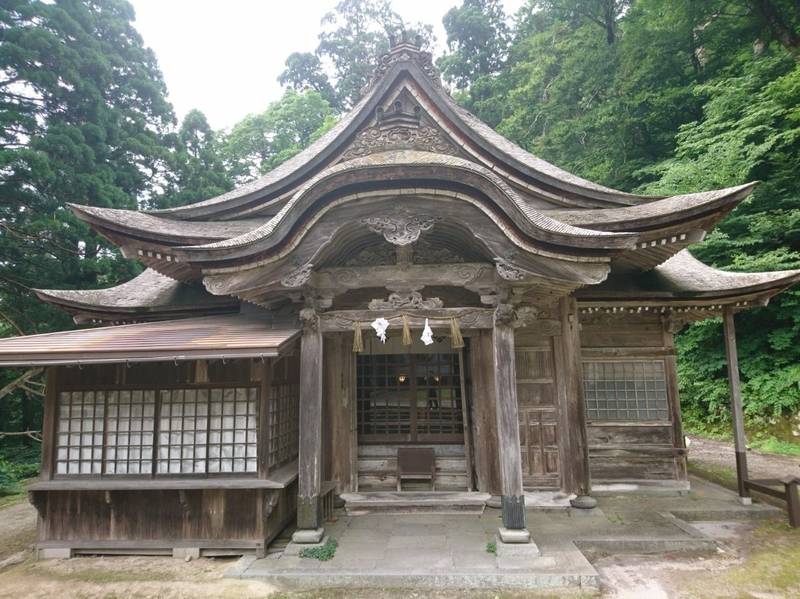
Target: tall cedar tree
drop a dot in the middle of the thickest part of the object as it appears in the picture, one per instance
(83, 114)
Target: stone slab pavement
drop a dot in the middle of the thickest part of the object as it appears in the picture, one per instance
(449, 550)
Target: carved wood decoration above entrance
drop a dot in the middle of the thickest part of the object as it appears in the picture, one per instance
(400, 229)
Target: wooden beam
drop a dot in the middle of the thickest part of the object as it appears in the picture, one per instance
(506, 413)
(734, 384)
(467, 274)
(310, 450)
(576, 465)
(468, 318)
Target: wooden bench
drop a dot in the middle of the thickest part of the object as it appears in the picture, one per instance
(418, 463)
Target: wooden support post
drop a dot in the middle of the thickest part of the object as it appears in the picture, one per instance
(50, 424)
(793, 501)
(506, 412)
(309, 514)
(740, 442)
(577, 463)
(263, 434)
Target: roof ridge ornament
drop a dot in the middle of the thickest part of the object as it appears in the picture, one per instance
(405, 50)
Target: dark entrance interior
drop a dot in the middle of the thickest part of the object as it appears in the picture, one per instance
(410, 398)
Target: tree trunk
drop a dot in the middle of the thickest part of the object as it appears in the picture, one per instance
(782, 32)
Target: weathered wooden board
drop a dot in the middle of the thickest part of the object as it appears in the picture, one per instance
(170, 517)
(622, 451)
(377, 467)
(538, 412)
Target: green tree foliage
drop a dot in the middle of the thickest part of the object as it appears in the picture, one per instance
(353, 36)
(83, 118)
(477, 41)
(304, 71)
(668, 97)
(199, 171)
(260, 142)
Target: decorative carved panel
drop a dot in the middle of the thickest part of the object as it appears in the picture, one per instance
(297, 278)
(400, 137)
(400, 229)
(413, 299)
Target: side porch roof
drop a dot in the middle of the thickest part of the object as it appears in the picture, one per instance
(211, 337)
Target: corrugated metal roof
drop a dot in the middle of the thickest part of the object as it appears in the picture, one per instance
(211, 337)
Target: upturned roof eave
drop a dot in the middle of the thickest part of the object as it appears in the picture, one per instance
(552, 231)
(149, 293)
(658, 214)
(684, 279)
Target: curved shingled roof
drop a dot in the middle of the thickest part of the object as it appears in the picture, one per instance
(404, 60)
(149, 296)
(684, 277)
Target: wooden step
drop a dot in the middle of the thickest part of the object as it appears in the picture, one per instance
(414, 502)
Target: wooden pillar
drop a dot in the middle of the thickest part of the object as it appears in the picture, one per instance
(265, 393)
(50, 424)
(505, 390)
(736, 405)
(576, 465)
(484, 413)
(339, 390)
(309, 514)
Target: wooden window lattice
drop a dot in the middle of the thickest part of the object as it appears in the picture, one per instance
(130, 424)
(634, 390)
(409, 397)
(81, 418)
(283, 424)
(200, 431)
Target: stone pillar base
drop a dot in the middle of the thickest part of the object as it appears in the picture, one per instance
(514, 535)
(583, 502)
(308, 535)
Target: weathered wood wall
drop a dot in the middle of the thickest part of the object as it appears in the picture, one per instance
(152, 519)
(480, 383)
(339, 448)
(635, 451)
(210, 519)
(377, 468)
(538, 410)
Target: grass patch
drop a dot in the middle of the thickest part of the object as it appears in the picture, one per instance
(13, 498)
(322, 553)
(721, 475)
(775, 446)
(491, 547)
(770, 569)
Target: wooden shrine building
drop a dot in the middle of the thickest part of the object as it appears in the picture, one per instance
(239, 381)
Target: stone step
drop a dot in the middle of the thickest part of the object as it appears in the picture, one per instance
(415, 502)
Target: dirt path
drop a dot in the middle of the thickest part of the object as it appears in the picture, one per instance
(708, 452)
(17, 532)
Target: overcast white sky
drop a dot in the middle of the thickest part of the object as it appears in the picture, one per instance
(224, 56)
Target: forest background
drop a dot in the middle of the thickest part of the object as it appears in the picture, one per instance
(653, 96)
